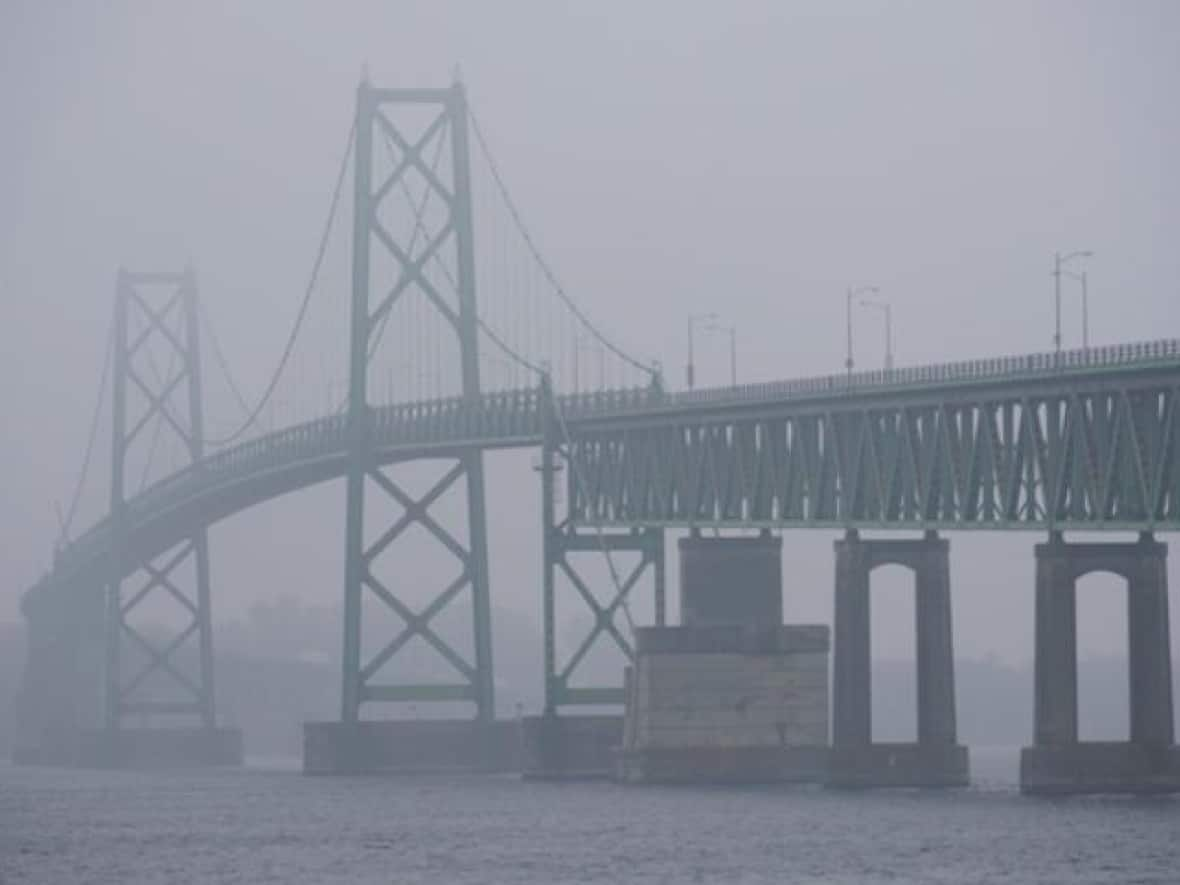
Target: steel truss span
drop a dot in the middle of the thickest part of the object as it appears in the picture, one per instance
(956, 446)
(1087, 441)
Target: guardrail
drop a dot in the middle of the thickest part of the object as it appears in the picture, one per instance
(964, 371)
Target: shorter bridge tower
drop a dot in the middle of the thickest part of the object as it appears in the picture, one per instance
(158, 670)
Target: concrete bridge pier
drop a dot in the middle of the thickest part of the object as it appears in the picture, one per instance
(60, 693)
(936, 759)
(1057, 762)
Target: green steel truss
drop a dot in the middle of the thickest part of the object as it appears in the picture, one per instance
(165, 305)
(1077, 453)
(564, 545)
(373, 297)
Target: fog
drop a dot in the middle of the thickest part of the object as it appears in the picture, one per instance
(753, 159)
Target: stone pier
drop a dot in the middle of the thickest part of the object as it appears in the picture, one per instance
(727, 704)
(731, 580)
(1057, 762)
(936, 759)
(731, 695)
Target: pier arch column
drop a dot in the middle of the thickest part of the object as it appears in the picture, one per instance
(1057, 762)
(935, 759)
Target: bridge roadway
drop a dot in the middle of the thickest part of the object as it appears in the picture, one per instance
(1041, 441)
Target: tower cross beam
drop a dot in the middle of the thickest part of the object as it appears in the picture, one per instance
(412, 155)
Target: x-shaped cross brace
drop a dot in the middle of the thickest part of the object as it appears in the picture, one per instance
(604, 616)
(417, 624)
(160, 577)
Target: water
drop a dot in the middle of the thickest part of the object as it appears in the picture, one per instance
(270, 824)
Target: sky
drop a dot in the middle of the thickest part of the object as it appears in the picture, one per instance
(752, 159)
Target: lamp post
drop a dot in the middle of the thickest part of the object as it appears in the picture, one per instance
(1081, 278)
(852, 293)
(1059, 261)
(693, 319)
(731, 331)
(886, 308)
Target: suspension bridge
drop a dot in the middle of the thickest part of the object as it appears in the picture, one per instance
(449, 352)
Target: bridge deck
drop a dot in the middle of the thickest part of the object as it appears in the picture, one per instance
(972, 444)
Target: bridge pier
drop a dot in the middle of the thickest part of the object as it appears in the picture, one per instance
(1058, 762)
(731, 695)
(936, 759)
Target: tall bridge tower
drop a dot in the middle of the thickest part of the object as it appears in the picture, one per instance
(392, 252)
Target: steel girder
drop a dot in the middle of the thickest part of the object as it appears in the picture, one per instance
(563, 545)
(370, 310)
(167, 307)
(1103, 454)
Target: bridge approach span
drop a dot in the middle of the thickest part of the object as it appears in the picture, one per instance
(1087, 440)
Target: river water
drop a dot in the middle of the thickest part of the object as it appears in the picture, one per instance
(268, 823)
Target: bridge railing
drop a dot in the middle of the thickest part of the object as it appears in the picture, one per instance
(1145, 353)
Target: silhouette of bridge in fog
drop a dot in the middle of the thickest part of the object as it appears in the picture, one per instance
(483, 353)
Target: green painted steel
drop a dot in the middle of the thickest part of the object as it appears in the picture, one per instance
(372, 301)
(564, 546)
(231, 479)
(166, 307)
(1091, 442)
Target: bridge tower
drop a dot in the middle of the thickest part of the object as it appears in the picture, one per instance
(560, 743)
(390, 264)
(156, 314)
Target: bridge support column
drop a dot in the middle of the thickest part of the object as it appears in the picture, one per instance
(936, 759)
(732, 694)
(559, 744)
(61, 690)
(159, 706)
(1058, 762)
(731, 580)
(390, 267)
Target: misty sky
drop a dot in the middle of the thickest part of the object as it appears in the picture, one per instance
(753, 159)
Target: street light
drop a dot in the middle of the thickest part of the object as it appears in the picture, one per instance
(1059, 261)
(731, 331)
(693, 319)
(852, 293)
(1081, 277)
(886, 308)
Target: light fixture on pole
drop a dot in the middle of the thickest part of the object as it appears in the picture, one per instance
(887, 309)
(693, 319)
(731, 331)
(1059, 261)
(1084, 280)
(852, 293)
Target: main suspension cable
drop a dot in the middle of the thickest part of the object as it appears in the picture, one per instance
(420, 228)
(311, 284)
(536, 253)
(219, 356)
(76, 497)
